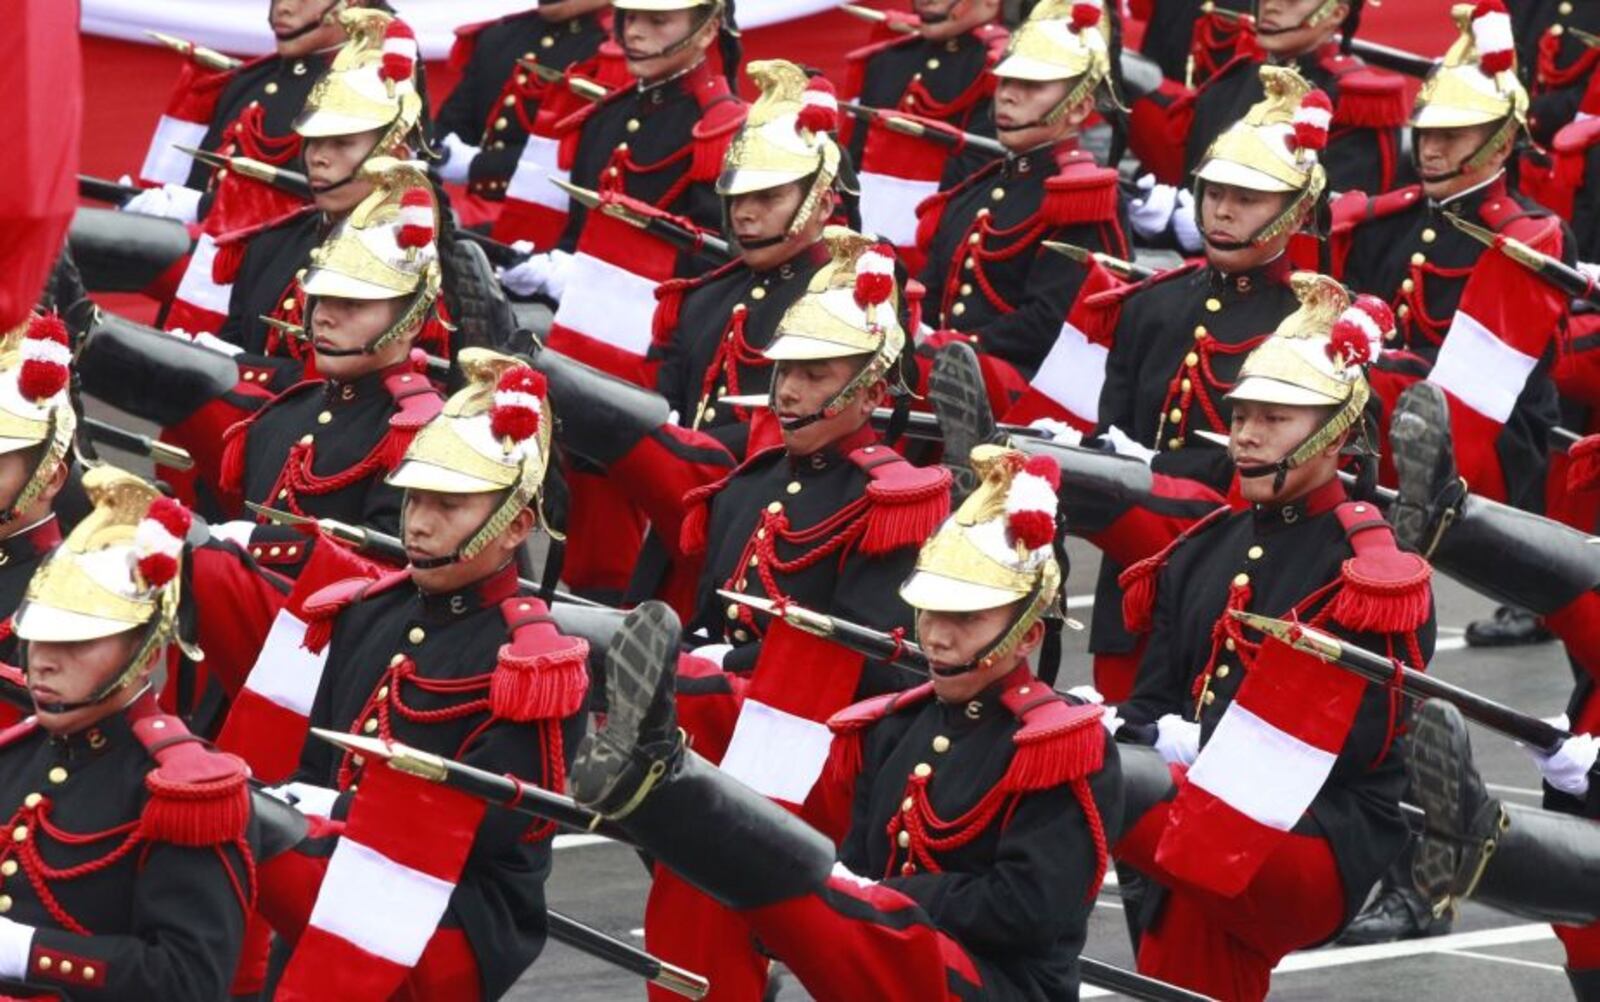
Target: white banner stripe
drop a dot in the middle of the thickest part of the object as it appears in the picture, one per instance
(1486, 373)
(198, 288)
(285, 672)
(531, 182)
(608, 303)
(889, 206)
(776, 753)
(382, 907)
(163, 163)
(1073, 373)
(1261, 771)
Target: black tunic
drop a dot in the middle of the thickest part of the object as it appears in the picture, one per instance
(499, 899)
(278, 86)
(1287, 553)
(1554, 63)
(274, 260)
(940, 80)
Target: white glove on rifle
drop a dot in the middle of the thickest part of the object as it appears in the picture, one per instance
(1185, 223)
(1177, 739)
(307, 798)
(1059, 431)
(457, 164)
(713, 653)
(1150, 213)
(16, 942)
(170, 201)
(1122, 445)
(542, 274)
(1567, 769)
(1089, 694)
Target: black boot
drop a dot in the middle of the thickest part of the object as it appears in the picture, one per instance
(1398, 911)
(1523, 860)
(959, 398)
(478, 302)
(148, 373)
(1508, 627)
(598, 416)
(715, 832)
(1146, 782)
(1513, 556)
(125, 251)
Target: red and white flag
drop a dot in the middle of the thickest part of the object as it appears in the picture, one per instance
(1068, 383)
(898, 172)
(185, 122)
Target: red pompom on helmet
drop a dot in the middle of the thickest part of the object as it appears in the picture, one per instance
(1031, 504)
(518, 405)
(875, 276)
(1491, 34)
(399, 52)
(819, 107)
(46, 357)
(1086, 14)
(158, 541)
(416, 218)
(1312, 120)
(1358, 335)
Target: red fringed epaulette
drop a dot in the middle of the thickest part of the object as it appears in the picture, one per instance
(466, 42)
(232, 245)
(417, 401)
(1121, 294)
(1082, 192)
(230, 478)
(1386, 590)
(1577, 136)
(325, 604)
(17, 731)
(906, 503)
(1356, 207)
(1583, 470)
(198, 795)
(720, 120)
(844, 754)
(697, 504)
(541, 674)
(669, 298)
(1138, 581)
(1534, 225)
(1058, 741)
(1371, 99)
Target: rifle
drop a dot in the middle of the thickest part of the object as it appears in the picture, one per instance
(1558, 274)
(1130, 270)
(288, 181)
(140, 445)
(209, 59)
(874, 644)
(102, 190)
(908, 125)
(1388, 57)
(674, 233)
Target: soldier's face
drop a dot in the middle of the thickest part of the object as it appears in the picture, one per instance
(1261, 434)
(349, 325)
(762, 215)
(943, 19)
(952, 639)
(1285, 31)
(288, 17)
(1231, 215)
(73, 672)
(646, 35)
(15, 469)
(1440, 151)
(438, 523)
(1018, 104)
(804, 388)
(331, 160)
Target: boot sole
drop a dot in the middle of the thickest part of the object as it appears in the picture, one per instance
(1419, 434)
(643, 650)
(1440, 752)
(956, 390)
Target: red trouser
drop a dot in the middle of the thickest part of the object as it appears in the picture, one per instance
(1227, 947)
(849, 941)
(1583, 945)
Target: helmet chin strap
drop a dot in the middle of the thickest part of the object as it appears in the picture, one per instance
(1471, 161)
(1314, 19)
(117, 683)
(312, 25)
(672, 48)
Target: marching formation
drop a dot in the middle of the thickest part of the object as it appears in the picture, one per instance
(590, 449)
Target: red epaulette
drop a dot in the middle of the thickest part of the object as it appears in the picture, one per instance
(860, 716)
(17, 731)
(1583, 474)
(466, 42)
(541, 673)
(1058, 741)
(1138, 582)
(1535, 226)
(669, 298)
(325, 604)
(416, 400)
(907, 503)
(1575, 137)
(1122, 293)
(1082, 191)
(1356, 207)
(930, 211)
(231, 476)
(231, 245)
(1386, 589)
(722, 115)
(198, 795)
(1368, 98)
(697, 503)
(995, 38)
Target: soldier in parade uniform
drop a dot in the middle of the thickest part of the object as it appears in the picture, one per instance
(132, 858)
(1209, 697)
(960, 826)
(1190, 39)
(1180, 337)
(779, 186)
(1556, 61)
(450, 655)
(483, 125)
(990, 280)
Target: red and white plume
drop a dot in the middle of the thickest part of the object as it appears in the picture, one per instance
(1031, 502)
(1358, 335)
(158, 541)
(1311, 121)
(875, 276)
(400, 52)
(819, 107)
(1086, 14)
(416, 218)
(1491, 35)
(46, 355)
(518, 405)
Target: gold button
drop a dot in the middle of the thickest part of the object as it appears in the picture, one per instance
(775, 507)
(1402, 311)
(1240, 580)
(1191, 360)
(1419, 258)
(755, 561)
(711, 413)
(31, 800)
(283, 494)
(966, 288)
(416, 635)
(395, 661)
(1174, 443)
(967, 264)
(1255, 552)
(633, 125)
(324, 417)
(740, 636)
(941, 744)
(19, 833)
(276, 551)
(933, 64)
(57, 775)
(1209, 698)
(733, 610)
(5, 903)
(288, 304)
(958, 309)
(371, 726)
(291, 551)
(1222, 671)
(758, 293)
(271, 88)
(1213, 305)
(66, 967)
(1200, 333)
(383, 692)
(510, 101)
(8, 868)
(973, 239)
(1229, 644)
(906, 804)
(997, 194)
(904, 839)
(1408, 285)
(1186, 386)
(88, 974)
(794, 487)
(922, 771)
(1175, 415)
(306, 440)
(983, 213)
(1564, 8)
(500, 124)
(45, 963)
(1429, 235)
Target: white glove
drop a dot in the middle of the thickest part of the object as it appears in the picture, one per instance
(1177, 739)
(1568, 768)
(16, 942)
(713, 653)
(541, 274)
(1149, 214)
(1109, 716)
(1122, 445)
(237, 532)
(1185, 225)
(307, 798)
(1059, 431)
(1590, 269)
(458, 165)
(170, 201)
(207, 340)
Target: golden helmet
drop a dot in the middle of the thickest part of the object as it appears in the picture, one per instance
(1476, 84)
(1061, 40)
(35, 410)
(786, 137)
(850, 307)
(371, 84)
(493, 435)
